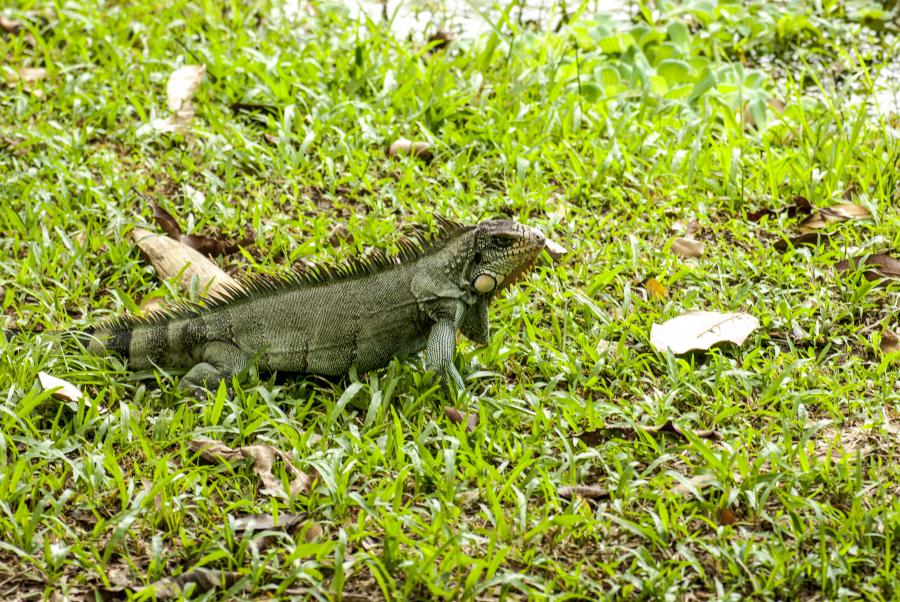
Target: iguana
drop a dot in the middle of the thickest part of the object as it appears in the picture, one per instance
(324, 320)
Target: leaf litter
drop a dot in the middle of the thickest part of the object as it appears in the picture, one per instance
(834, 214)
(66, 391)
(171, 258)
(403, 148)
(263, 457)
(459, 417)
(207, 245)
(687, 248)
(180, 89)
(669, 427)
(269, 526)
(874, 267)
(700, 330)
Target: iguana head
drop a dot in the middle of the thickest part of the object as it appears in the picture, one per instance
(500, 251)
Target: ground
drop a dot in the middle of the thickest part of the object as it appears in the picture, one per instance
(772, 476)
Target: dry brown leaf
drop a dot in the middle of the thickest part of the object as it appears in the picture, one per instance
(9, 25)
(656, 288)
(808, 239)
(203, 580)
(459, 417)
(694, 485)
(875, 267)
(203, 244)
(404, 147)
(800, 205)
(687, 248)
(439, 40)
(833, 214)
(597, 436)
(263, 457)
(288, 523)
(725, 517)
(172, 258)
(671, 428)
(890, 342)
(340, 235)
(589, 492)
(180, 90)
(700, 330)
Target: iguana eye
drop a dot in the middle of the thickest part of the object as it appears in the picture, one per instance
(503, 241)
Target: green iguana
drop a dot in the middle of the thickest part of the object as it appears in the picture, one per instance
(324, 320)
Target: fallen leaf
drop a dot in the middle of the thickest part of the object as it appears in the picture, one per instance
(340, 235)
(9, 25)
(688, 228)
(890, 342)
(833, 214)
(588, 492)
(554, 249)
(693, 485)
(172, 258)
(458, 417)
(288, 523)
(180, 90)
(656, 288)
(63, 389)
(263, 457)
(404, 147)
(250, 107)
(700, 330)
(875, 267)
(725, 517)
(800, 205)
(203, 580)
(67, 392)
(597, 436)
(439, 40)
(267, 528)
(182, 86)
(204, 244)
(671, 428)
(809, 239)
(26, 75)
(687, 248)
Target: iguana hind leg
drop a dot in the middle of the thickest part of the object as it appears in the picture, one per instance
(220, 361)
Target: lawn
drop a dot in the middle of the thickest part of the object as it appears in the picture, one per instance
(600, 466)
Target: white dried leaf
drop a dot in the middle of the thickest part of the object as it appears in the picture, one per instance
(64, 389)
(700, 330)
(554, 249)
(180, 90)
(172, 258)
(182, 86)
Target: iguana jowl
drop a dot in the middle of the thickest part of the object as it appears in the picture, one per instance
(362, 313)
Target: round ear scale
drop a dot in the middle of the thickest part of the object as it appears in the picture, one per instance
(485, 283)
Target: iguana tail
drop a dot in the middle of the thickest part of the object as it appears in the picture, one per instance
(143, 345)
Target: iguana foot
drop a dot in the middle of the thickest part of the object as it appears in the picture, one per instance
(220, 362)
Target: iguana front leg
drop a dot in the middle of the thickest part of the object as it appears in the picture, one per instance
(439, 352)
(447, 316)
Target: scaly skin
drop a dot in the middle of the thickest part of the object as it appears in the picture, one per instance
(361, 314)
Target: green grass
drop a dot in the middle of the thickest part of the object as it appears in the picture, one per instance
(607, 138)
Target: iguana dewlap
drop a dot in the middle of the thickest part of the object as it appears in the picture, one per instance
(327, 319)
